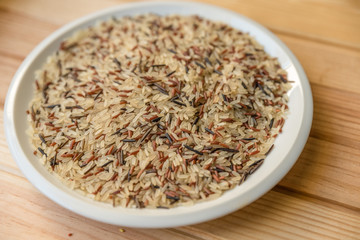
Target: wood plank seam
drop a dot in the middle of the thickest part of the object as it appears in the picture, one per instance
(284, 189)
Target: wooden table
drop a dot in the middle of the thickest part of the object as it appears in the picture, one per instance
(318, 199)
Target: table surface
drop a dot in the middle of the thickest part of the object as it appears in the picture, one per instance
(318, 199)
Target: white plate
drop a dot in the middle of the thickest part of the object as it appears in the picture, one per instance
(288, 145)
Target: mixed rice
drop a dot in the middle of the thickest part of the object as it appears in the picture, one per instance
(157, 111)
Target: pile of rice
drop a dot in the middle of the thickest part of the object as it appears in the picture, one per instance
(152, 111)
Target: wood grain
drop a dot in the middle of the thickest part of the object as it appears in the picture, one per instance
(318, 199)
(334, 21)
(331, 155)
(281, 215)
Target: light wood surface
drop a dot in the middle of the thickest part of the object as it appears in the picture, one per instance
(318, 199)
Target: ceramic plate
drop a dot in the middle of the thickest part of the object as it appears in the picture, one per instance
(288, 145)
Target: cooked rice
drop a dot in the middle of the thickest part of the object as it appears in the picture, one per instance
(153, 111)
